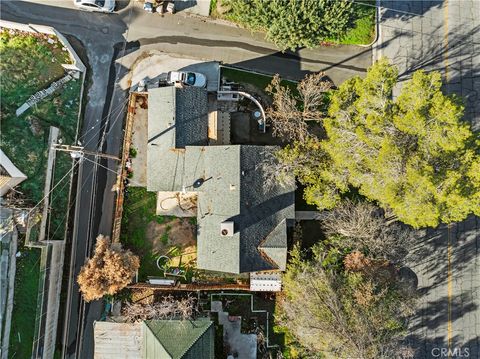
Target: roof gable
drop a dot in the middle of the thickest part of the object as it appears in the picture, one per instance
(177, 339)
(274, 246)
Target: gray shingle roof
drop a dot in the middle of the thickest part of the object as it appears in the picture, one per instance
(273, 246)
(176, 118)
(234, 192)
(232, 188)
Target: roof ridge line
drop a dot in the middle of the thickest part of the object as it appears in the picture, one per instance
(199, 336)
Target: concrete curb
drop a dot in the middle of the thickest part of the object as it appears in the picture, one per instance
(376, 53)
(214, 20)
(377, 25)
(33, 28)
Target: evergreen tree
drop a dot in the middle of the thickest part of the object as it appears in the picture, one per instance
(414, 155)
(291, 24)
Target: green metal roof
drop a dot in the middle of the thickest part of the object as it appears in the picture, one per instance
(178, 339)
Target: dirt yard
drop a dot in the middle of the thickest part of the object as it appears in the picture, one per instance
(177, 232)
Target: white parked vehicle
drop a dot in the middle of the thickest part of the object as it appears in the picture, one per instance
(95, 5)
(187, 78)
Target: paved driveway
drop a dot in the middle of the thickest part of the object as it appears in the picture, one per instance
(150, 65)
(443, 36)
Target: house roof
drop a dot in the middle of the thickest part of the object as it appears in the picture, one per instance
(233, 191)
(229, 184)
(178, 339)
(10, 175)
(117, 340)
(8, 168)
(168, 339)
(273, 247)
(177, 117)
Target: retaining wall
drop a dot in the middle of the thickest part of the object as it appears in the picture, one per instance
(33, 28)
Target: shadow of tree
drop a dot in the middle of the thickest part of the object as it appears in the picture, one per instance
(427, 43)
(438, 347)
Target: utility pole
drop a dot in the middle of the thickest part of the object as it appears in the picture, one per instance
(79, 151)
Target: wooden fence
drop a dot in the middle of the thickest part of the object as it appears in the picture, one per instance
(117, 219)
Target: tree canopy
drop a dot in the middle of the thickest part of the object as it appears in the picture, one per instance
(291, 24)
(363, 227)
(343, 305)
(109, 270)
(413, 154)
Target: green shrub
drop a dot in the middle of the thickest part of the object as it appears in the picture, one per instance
(292, 24)
(133, 152)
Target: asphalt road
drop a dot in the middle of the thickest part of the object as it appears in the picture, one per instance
(105, 38)
(442, 36)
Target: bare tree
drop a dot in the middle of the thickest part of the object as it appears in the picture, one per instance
(275, 172)
(167, 308)
(329, 314)
(109, 270)
(365, 228)
(289, 113)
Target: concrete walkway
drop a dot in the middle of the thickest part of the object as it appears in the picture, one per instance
(243, 345)
(308, 215)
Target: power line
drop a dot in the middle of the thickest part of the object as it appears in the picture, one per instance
(12, 221)
(70, 208)
(98, 130)
(81, 312)
(51, 204)
(108, 169)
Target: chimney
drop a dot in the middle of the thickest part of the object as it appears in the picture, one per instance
(226, 229)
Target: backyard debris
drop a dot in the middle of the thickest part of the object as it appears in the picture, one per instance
(35, 125)
(167, 308)
(144, 295)
(40, 95)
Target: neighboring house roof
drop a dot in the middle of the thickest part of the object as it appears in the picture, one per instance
(177, 117)
(166, 339)
(229, 184)
(10, 176)
(177, 339)
(117, 340)
(7, 225)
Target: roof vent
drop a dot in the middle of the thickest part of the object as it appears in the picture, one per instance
(226, 229)
(198, 183)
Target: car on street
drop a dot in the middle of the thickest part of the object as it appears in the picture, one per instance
(187, 78)
(95, 5)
